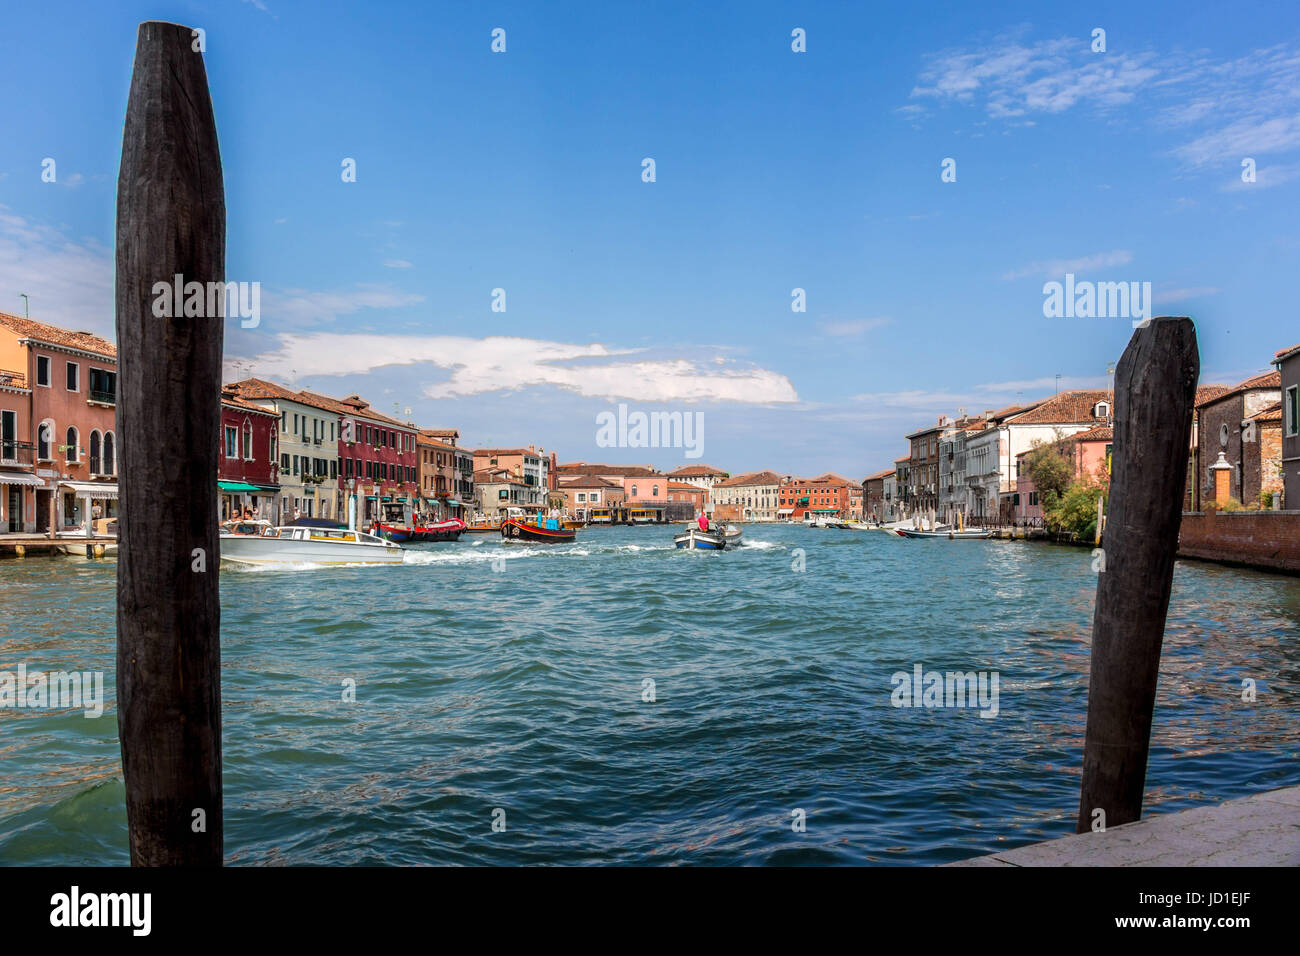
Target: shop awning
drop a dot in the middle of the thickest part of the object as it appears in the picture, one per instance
(236, 486)
(824, 511)
(785, 511)
(452, 502)
(18, 478)
(89, 489)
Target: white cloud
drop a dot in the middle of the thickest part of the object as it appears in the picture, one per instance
(397, 264)
(1055, 268)
(500, 363)
(853, 328)
(299, 306)
(69, 282)
(1180, 295)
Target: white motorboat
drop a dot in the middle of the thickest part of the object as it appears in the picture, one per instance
(305, 545)
(951, 534)
(697, 540)
(732, 533)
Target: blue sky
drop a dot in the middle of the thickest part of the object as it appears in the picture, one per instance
(774, 170)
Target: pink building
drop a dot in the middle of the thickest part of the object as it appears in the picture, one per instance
(1089, 455)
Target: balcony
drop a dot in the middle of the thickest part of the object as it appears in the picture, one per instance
(101, 398)
(15, 453)
(13, 379)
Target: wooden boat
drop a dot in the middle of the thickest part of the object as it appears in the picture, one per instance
(393, 532)
(302, 545)
(549, 530)
(449, 530)
(698, 540)
(950, 533)
(733, 534)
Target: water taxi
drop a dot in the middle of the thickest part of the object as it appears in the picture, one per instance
(304, 545)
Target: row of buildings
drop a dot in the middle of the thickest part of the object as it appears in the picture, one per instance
(972, 467)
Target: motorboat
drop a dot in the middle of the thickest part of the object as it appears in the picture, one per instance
(698, 540)
(549, 530)
(733, 534)
(290, 545)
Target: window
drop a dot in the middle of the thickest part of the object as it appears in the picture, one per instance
(334, 468)
(284, 420)
(284, 464)
(248, 440)
(1293, 410)
(43, 370)
(8, 434)
(70, 449)
(103, 386)
(94, 453)
(73, 370)
(110, 457)
(634, 491)
(582, 498)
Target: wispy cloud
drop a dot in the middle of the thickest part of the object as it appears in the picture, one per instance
(1265, 177)
(69, 281)
(303, 307)
(503, 363)
(1055, 268)
(397, 264)
(854, 328)
(1182, 295)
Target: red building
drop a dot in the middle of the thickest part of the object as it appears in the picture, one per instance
(70, 380)
(827, 496)
(681, 491)
(249, 464)
(378, 458)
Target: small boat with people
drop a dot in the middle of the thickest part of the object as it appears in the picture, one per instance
(704, 535)
(536, 529)
(304, 544)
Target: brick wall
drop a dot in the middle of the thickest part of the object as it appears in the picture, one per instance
(1266, 539)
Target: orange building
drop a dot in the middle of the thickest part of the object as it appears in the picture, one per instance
(827, 496)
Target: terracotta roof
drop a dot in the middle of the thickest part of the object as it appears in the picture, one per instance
(85, 341)
(766, 477)
(1208, 393)
(1269, 413)
(901, 459)
(880, 474)
(496, 476)
(440, 432)
(588, 481)
(255, 388)
(488, 452)
(234, 401)
(354, 406)
(1100, 433)
(696, 471)
(684, 486)
(1067, 408)
(1286, 353)
(1271, 379)
(424, 441)
(624, 471)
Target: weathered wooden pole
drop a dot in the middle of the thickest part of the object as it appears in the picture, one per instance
(171, 222)
(1155, 391)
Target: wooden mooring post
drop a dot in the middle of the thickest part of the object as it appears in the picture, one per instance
(171, 222)
(1155, 392)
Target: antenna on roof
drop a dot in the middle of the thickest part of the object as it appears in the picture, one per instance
(26, 311)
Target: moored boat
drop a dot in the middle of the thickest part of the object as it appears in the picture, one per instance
(698, 540)
(300, 545)
(449, 530)
(549, 530)
(950, 533)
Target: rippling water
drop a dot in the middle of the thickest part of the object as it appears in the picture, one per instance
(518, 685)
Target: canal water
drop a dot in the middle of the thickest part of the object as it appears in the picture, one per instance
(509, 685)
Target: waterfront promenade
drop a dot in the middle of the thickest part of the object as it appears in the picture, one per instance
(1260, 830)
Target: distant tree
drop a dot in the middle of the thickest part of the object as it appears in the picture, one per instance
(1076, 511)
(1050, 472)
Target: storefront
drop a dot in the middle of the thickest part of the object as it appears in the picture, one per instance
(17, 497)
(237, 497)
(81, 503)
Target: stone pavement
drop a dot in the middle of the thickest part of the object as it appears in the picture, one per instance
(1259, 830)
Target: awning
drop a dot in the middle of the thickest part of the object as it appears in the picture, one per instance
(236, 486)
(90, 489)
(785, 511)
(18, 478)
(824, 511)
(452, 502)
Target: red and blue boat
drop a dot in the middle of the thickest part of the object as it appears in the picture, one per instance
(449, 530)
(551, 530)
